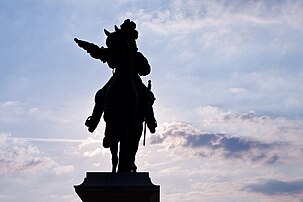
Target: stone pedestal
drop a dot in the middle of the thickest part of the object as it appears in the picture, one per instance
(118, 187)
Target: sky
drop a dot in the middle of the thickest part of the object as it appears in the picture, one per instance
(227, 77)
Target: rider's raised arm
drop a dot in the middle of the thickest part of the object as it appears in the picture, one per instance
(94, 50)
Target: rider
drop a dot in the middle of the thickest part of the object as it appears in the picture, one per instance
(141, 68)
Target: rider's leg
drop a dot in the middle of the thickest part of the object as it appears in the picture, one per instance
(93, 120)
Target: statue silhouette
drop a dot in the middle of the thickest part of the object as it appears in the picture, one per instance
(125, 101)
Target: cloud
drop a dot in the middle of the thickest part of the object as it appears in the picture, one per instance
(276, 187)
(63, 169)
(184, 137)
(237, 90)
(8, 104)
(217, 19)
(94, 153)
(15, 111)
(251, 124)
(215, 50)
(259, 13)
(291, 14)
(48, 140)
(18, 157)
(92, 139)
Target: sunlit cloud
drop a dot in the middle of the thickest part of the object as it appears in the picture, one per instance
(237, 90)
(94, 153)
(16, 111)
(18, 157)
(251, 124)
(91, 139)
(47, 140)
(59, 170)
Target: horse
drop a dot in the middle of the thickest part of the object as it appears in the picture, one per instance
(144, 109)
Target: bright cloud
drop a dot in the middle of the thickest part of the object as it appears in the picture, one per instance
(17, 158)
(251, 124)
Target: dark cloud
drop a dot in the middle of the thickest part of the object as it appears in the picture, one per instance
(249, 116)
(233, 147)
(221, 144)
(276, 187)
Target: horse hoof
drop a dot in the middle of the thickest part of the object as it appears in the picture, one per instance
(133, 168)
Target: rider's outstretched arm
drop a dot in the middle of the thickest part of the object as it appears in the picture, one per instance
(94, 50)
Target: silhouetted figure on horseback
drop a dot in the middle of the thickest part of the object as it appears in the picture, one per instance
(125, 101)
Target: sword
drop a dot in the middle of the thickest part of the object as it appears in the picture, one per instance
(144, 137)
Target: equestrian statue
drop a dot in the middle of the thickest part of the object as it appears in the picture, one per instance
(125, 102)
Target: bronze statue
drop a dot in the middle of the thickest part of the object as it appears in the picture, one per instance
(125, 101)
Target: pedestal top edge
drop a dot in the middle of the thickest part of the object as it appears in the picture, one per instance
(101, 174)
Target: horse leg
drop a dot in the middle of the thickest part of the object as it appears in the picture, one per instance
(124, 153)
(114, 152)
(122, 167)
(135, 144)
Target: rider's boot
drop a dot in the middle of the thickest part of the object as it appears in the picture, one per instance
(92, 123)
